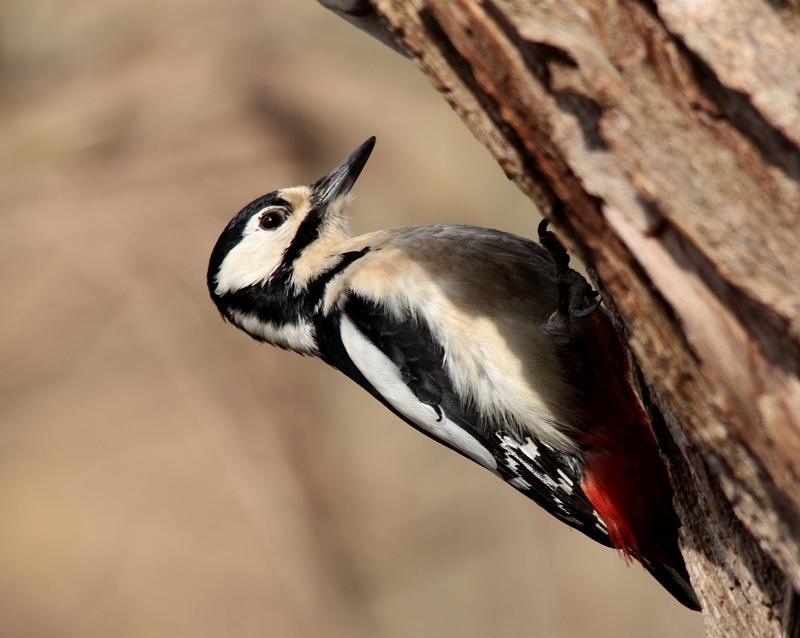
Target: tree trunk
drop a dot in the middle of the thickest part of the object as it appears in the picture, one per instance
(662, 139)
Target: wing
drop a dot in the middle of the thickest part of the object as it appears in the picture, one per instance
(401, 365)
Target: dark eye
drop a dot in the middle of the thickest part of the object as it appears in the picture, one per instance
(272, 219)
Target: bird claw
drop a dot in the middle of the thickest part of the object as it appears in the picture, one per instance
(573, 288)
(586, 311)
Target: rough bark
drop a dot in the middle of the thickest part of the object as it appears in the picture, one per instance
(662, 139)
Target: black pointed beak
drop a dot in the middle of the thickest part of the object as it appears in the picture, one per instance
(341, 179)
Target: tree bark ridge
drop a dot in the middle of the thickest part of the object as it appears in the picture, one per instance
(661, 139)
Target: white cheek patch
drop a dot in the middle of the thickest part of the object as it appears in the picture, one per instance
(298, 337)
(259, 253)
(254, 258)
(384, 376)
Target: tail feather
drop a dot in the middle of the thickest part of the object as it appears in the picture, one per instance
(675, 582)
(624, 476)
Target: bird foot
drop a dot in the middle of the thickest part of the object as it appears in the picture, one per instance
(573, 289)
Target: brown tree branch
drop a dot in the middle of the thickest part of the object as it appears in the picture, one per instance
(661, 137)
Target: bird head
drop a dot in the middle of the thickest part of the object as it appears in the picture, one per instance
(262, 261)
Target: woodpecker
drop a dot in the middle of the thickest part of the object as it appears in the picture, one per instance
(485, 341)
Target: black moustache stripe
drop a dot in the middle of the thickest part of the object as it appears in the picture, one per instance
(307, 233)
(276, 302)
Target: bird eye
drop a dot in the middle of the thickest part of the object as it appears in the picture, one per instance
(272, 219)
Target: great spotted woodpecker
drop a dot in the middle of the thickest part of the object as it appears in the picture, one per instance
(477, 338)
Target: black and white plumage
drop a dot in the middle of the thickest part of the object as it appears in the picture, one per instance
(470, 335)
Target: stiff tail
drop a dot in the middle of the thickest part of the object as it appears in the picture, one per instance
(675, 582)
(624, 477)
(628, 485)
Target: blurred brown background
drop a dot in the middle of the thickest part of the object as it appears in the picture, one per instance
(160, 473)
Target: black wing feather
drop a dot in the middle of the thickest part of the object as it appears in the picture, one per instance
(549, 477)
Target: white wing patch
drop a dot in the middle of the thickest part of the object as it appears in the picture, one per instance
(514, 458)
(384, 376)
(600, 524)
(495, 355)
(519, 483)
(530, 449)
(565, 482)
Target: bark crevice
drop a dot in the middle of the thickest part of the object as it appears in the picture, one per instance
(669, 161)
(736, 108)
(546, 199)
